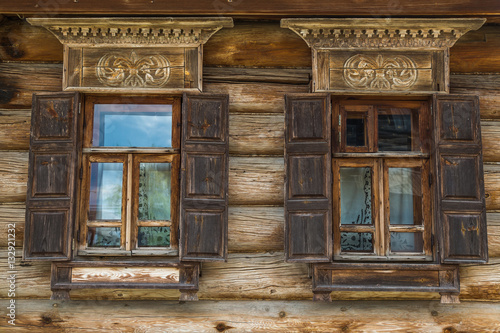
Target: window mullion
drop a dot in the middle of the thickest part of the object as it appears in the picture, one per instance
(128, 209)
(379, 193)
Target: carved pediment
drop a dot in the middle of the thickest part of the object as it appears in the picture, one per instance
(395, 55)
(381, 33)
(148, 54)
(149, 31)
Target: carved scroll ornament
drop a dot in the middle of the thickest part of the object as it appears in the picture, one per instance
(115, 70)
(380, 73)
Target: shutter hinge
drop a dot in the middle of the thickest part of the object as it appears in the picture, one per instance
(73, 244)
(430, 179)
(79, 107)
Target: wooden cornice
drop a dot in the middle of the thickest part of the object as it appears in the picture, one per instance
(150, 31)
(390, 33)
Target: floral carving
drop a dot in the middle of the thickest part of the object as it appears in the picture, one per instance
(116, 70)
(380, 73)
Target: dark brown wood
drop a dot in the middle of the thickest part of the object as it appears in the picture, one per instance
(461, 212)
(53, 162)
(308, 233)
(204, 177)
(260, 8)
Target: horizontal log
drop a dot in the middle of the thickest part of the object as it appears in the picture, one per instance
(492, 186)
(493, 220)
(15, 129)
(477, 51)
(256, 133)
(253, 276)
(259, 8)
(13, 176)
(490, 132)
(255, 228)
(256, 180)
(19, 81)
(256, 44)
(12, 213)
(252, 316)
(23, 42)
(268, 75)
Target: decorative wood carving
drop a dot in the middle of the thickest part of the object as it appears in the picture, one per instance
(151, 31)
(150, 55)
(397, 55)
(383, 73)
(116, 70)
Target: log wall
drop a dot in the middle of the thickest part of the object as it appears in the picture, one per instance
(256, 63)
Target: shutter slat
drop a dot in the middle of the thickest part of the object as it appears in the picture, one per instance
(308, 190)
(461, 212)
(204, 178)
(53, 159)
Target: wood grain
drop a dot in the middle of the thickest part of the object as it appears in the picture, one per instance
(256, 180)
(255, 229)
(13, 176)
(12, 213)
(493, 220)
(255, 133)
(253, 276)
(15, 129)
(490, 132)
(125, 274)
(492, 186)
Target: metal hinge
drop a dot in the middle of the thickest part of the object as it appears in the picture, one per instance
(340, 129)
(73, 245)
(430, 179)
(79, 107)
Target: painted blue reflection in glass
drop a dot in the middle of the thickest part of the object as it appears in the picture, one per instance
(132, 125)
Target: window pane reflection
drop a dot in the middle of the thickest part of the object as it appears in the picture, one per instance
(154, 236)
(103, 237)
(105, 202)
(356, 242)
(132, 125)
(394, 132)
(355, 196)
(355, 128)
(154, 191)
(405, 196)
(407, 242)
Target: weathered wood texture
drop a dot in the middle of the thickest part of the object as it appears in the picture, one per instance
(375, 8)
(492, 186)
(15, 129)
(250, 276)
(244, 316)
(13, 176)
(12, 213)
(250, 44)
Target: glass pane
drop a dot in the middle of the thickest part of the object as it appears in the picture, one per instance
(407, 242)
(355, 196)
(405, 196)
(355, 129)
(154, 236)
(132, 125)
(105, 202)
(356, 241)
(154, 191)
(394, 132)
(103, 237)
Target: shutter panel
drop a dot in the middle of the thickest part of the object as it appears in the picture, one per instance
(461, 212)
(204, 177)
(308, 188)
(53, 157)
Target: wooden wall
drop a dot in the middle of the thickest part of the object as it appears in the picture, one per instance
(256, 63)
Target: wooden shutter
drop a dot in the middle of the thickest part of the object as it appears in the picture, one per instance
(461, 213)
(53, 161)
(204, 177)
(308, 188)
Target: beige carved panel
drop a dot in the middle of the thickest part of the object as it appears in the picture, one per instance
(153, 69)
(380, 71)
(125, 274)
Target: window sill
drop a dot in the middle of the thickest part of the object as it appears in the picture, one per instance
(388, 154)
(122, 253)
(374, 258)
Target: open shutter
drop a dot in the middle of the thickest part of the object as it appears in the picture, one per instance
(461, 212)
(308, 188)
(53, 159)
(204, 177)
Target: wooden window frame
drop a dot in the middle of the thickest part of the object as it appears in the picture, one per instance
(380, 162)
(131, 157)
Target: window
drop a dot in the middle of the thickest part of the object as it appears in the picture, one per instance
(130, 185)
(381, 188)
